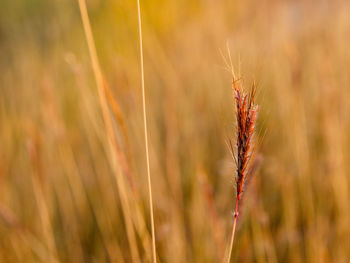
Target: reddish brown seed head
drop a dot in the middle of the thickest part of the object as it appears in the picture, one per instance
(246, 117)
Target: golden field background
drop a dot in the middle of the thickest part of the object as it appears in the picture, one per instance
(59, 197)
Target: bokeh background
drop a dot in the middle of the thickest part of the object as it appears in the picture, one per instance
(59, 197)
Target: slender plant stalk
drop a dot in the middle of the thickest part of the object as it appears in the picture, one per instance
(110, 133)
(146, 132)
(233, 232)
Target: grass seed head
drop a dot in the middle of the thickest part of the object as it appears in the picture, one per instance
(246, 118)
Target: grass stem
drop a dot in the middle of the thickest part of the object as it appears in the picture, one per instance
(233, 232)
(110, 133)
(146, 134)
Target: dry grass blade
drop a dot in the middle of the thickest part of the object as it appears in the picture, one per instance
(146, 136)
(110, 133)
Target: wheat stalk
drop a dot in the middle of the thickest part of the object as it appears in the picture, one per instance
(246, 117)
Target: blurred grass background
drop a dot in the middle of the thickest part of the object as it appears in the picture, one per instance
(58, 196)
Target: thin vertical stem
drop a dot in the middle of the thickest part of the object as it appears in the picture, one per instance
(146, 136)
(233, 232)
(110, 133)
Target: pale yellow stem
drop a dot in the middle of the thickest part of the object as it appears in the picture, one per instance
(146, 136)
(233, 233)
